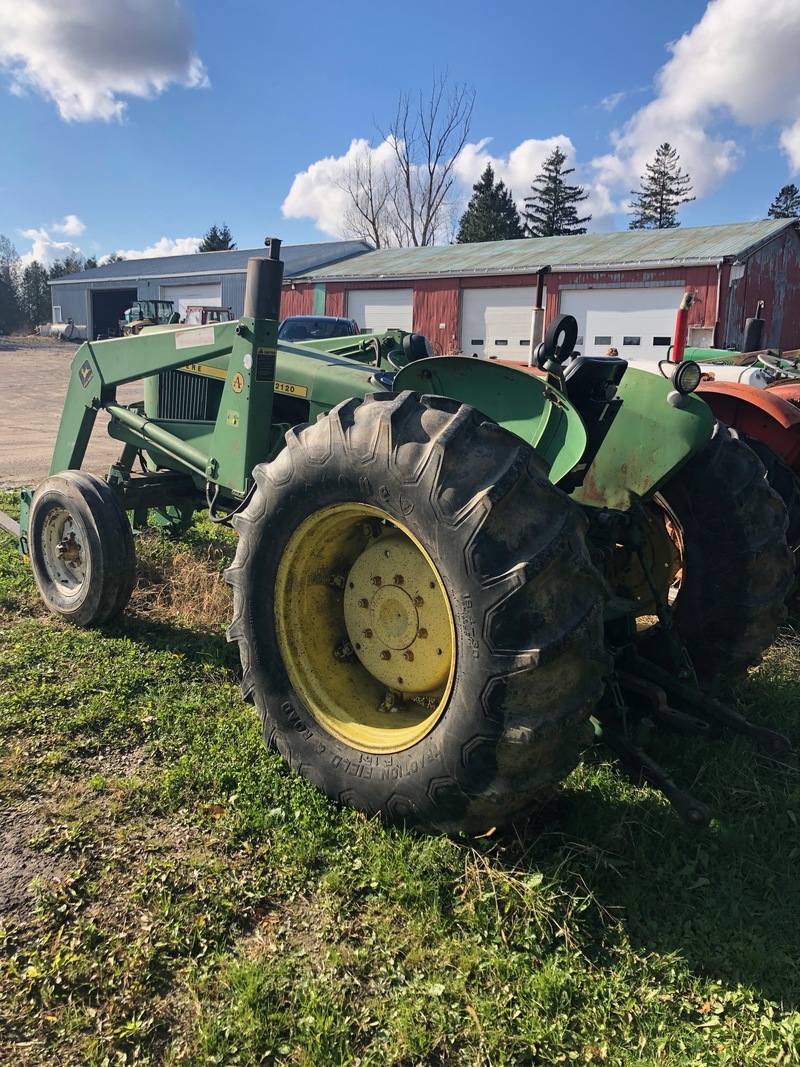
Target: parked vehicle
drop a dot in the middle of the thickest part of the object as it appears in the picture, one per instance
(143, 313)
(315, 328)
(451, 573)
(200, 315)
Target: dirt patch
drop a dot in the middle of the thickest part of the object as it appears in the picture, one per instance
(34, 375)
(20, 864)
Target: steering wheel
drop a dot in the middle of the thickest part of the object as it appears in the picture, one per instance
(790, 368)
(559, 341)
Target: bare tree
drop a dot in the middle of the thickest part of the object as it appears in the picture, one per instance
(368, 185)
(427, 138)
(407, 198)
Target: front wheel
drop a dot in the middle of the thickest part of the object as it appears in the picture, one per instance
(418, 620)
(81, 548)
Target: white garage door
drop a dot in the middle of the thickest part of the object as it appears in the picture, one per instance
(639, 323)
(381, 309)
(497, 322)
(184, 296)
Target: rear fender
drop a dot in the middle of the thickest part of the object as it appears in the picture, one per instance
(766, 414)
(523, 403)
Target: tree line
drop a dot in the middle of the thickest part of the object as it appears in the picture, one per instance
(25, 301)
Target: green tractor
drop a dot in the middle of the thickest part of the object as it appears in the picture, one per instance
(451, 574)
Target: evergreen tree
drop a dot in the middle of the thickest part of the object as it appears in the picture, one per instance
(217, 239)
(90, 263)
(115, 257)
(786, 204)
(664, 188)
(551, 211)
(491, 214)
(9, 286)
(34, 295)
(72, 263)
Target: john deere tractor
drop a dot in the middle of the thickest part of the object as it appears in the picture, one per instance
(451, 574)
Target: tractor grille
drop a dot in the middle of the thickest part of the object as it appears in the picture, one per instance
(187, 396)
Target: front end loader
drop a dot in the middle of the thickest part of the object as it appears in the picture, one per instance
(450, 574)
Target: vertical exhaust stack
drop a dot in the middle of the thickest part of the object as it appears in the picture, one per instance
(537, 317)
(262, 294)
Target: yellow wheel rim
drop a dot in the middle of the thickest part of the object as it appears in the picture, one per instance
(663, 557)
(365, 628)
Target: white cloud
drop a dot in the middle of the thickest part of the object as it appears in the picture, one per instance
(165, 246)
(318, 193)
(71, 226)
(735, 64)
(44, 249)
(86, 54)
(608, 103)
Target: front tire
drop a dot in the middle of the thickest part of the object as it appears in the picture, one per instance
(81, 548)
(418, 621)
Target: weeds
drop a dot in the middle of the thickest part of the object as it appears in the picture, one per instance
(173, 895)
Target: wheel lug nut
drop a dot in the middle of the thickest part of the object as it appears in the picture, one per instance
(363, 602)
(409, 655)
(398, 579)
(386, 654)
(375, 579)
(422, 634)
(367, 633)
(418, 601)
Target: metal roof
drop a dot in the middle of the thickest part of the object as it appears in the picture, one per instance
(623, 250)
(297, 259)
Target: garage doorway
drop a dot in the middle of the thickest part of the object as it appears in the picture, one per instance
(108, 308)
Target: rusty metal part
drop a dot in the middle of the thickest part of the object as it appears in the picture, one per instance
(768, 414)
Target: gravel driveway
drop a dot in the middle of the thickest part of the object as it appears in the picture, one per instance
(34, 374)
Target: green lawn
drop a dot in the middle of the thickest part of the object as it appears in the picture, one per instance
(200, 904)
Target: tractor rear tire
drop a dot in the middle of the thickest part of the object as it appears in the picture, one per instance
(81, 548)
(784, 481)
(736, 565)
(419, 623)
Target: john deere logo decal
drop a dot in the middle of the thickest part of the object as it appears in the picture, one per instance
(86, 374)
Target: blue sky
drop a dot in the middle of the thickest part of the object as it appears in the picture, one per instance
(133, 125)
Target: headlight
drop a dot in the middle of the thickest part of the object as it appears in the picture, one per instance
(685, 376)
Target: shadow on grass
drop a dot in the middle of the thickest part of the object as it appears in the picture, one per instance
(196, 646)
(725, 899)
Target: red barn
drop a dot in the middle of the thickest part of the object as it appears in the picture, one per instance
(623, 288)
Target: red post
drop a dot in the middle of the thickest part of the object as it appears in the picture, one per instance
(681, 326)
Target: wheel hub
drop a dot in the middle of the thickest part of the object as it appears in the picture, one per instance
(364, 627)
(391, 606)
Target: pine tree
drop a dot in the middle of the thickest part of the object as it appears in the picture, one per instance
(786, 204)
(9, 286)
(491, 214)
(72, 263)
(552, 211)
(34, 295)
(664, 188)
(217, 239)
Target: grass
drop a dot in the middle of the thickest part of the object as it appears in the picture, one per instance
(197, 903)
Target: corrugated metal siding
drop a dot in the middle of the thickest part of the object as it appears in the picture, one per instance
(299, 301)
(436, 305)
(772, 274)
(74, 305)
(297, 259)
(630, 247)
